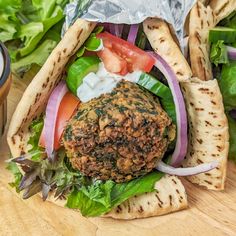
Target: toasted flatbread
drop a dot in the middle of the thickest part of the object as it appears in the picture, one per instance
(222, 8)
(201, 20)
(159, 36)
(208, 131)
(170, 195)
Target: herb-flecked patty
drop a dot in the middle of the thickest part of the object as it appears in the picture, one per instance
(118, 136)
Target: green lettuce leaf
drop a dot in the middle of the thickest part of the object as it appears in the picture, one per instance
(14, 169)
(99, 198)
(232, 139)
(24, 25)
(36, 128)
(227, 85)
(218, 54)
(92, 200)
(33, 32)
(38, 57)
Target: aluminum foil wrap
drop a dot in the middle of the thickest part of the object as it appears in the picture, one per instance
(130, 12)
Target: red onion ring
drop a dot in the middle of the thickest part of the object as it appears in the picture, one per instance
(181, 116)
(231, 52)
(186, 171)
(116, 29)
(133, 33)
(51, 117)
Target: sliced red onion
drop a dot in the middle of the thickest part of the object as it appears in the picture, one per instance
(116, 29)
(133, 33)
(51, 117)
(231, 52)
(186, 171)
(106, 26)
(181, 116)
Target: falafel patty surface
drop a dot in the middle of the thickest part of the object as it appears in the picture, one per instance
(118, 136)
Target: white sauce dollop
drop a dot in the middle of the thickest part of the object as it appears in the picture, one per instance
(96, 84)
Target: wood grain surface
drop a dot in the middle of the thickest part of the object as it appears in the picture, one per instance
(209, 213)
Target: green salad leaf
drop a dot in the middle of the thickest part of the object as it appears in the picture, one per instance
(14, 169)
(25, 27)
(36, 128)
(227, 85)
(218, 54)
(38, 57)
(100, 197)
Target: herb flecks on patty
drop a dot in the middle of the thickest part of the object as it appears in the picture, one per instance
(118, 136)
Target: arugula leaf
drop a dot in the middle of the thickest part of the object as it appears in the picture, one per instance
(14, 169)
(218, 54)
(227, 85)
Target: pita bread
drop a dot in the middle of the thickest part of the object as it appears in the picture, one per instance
(205, 125)
(35, 97)
(201, 20)
(159, 36)
(208, 131)
(171, 194)
(222, 8)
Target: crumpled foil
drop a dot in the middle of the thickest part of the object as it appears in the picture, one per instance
(130, 12)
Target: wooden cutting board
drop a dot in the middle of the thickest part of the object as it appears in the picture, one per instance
(209, 213)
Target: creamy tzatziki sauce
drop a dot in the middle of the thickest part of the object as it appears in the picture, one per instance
(96, 84)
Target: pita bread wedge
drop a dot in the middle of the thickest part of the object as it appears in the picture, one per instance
(170, 194)
(201, 20)
(208, 131)
(222, 8)
(159, 36)
(199, 95)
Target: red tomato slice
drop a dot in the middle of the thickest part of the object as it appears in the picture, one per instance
(136, 58)
(113, 62)
(68, 105)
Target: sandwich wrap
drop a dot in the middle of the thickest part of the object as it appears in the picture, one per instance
(170, 194)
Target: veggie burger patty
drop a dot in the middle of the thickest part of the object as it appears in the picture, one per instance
(118, 136)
